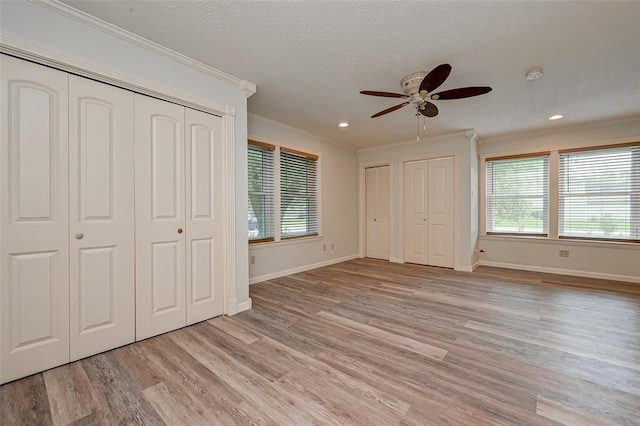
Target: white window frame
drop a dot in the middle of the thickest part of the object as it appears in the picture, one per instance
(634, 202)
(553, 207)
(276, 198)
(546, 220)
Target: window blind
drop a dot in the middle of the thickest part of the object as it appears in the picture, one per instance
(599, 193)
(298, 194)
(517, 198)
(261, 221)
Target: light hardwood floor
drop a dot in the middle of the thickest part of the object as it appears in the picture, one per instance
(375, 343)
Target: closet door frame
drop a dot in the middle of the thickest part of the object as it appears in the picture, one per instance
(456, 209)
(69, 62)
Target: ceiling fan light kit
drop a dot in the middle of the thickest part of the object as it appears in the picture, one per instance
(417, 87)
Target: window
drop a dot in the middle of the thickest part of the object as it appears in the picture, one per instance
(599, 193)
(260, 179)
(298, 194)
(285, 180)
(517, 197)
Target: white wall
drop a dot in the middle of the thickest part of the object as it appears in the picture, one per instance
(461, 146)
(595, 259)
(46, 26)
(338, 206)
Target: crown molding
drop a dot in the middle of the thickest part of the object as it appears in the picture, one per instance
(92, 21)
(247, 88)
(30, 50)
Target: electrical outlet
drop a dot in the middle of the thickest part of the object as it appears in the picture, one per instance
(252, 260)
(564, 253)
(324, 247)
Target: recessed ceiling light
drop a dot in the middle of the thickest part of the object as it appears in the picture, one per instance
(343, 124)
(556, 117)
(534, 74)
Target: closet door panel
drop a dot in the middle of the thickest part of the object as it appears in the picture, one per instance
(415, 212)
(377, 212)
(205, 287)
(371, 209)
(383, 215)
(159, 216)
(34, 262)
(441, 212)
(101, 182)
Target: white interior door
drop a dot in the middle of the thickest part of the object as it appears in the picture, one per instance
(377, 212)
(440, 205)
(159, 216)
(34, 227)
(429, 197)
(415, 212)
(204, 226)
(102, 291)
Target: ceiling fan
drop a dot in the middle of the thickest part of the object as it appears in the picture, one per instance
(418, 88)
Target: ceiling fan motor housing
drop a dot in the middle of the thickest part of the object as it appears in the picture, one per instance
(411, 84)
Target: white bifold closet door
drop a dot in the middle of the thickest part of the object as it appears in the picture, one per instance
(34, 226)
(429, 199)
(102, 291)
(178, 224)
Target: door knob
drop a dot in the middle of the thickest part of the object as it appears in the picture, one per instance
(179, 230)
(79, 236)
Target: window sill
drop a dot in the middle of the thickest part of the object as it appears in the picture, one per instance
(562, 241)
(286, 242)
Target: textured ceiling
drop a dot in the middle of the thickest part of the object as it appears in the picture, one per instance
(310, 59)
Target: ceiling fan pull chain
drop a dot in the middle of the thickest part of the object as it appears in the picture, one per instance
(418, 126)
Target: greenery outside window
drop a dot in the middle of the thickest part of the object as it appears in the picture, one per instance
(599, 193)
(517, 195)
(261, 191)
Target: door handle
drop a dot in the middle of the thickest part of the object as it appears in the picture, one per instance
(79, 236)
(180, 230)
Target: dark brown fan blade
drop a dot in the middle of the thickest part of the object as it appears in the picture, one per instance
(462, 92)
(430, 110)
(383, 94)
(435, 78)
(388, 110)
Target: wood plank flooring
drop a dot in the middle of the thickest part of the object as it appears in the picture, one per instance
(375, 343)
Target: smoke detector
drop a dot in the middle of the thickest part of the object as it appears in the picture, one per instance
(534, 74)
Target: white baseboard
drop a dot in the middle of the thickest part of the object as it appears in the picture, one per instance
(244, 306)
(573, 272)
(279, 274)
(475, 265)
(393, 259)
